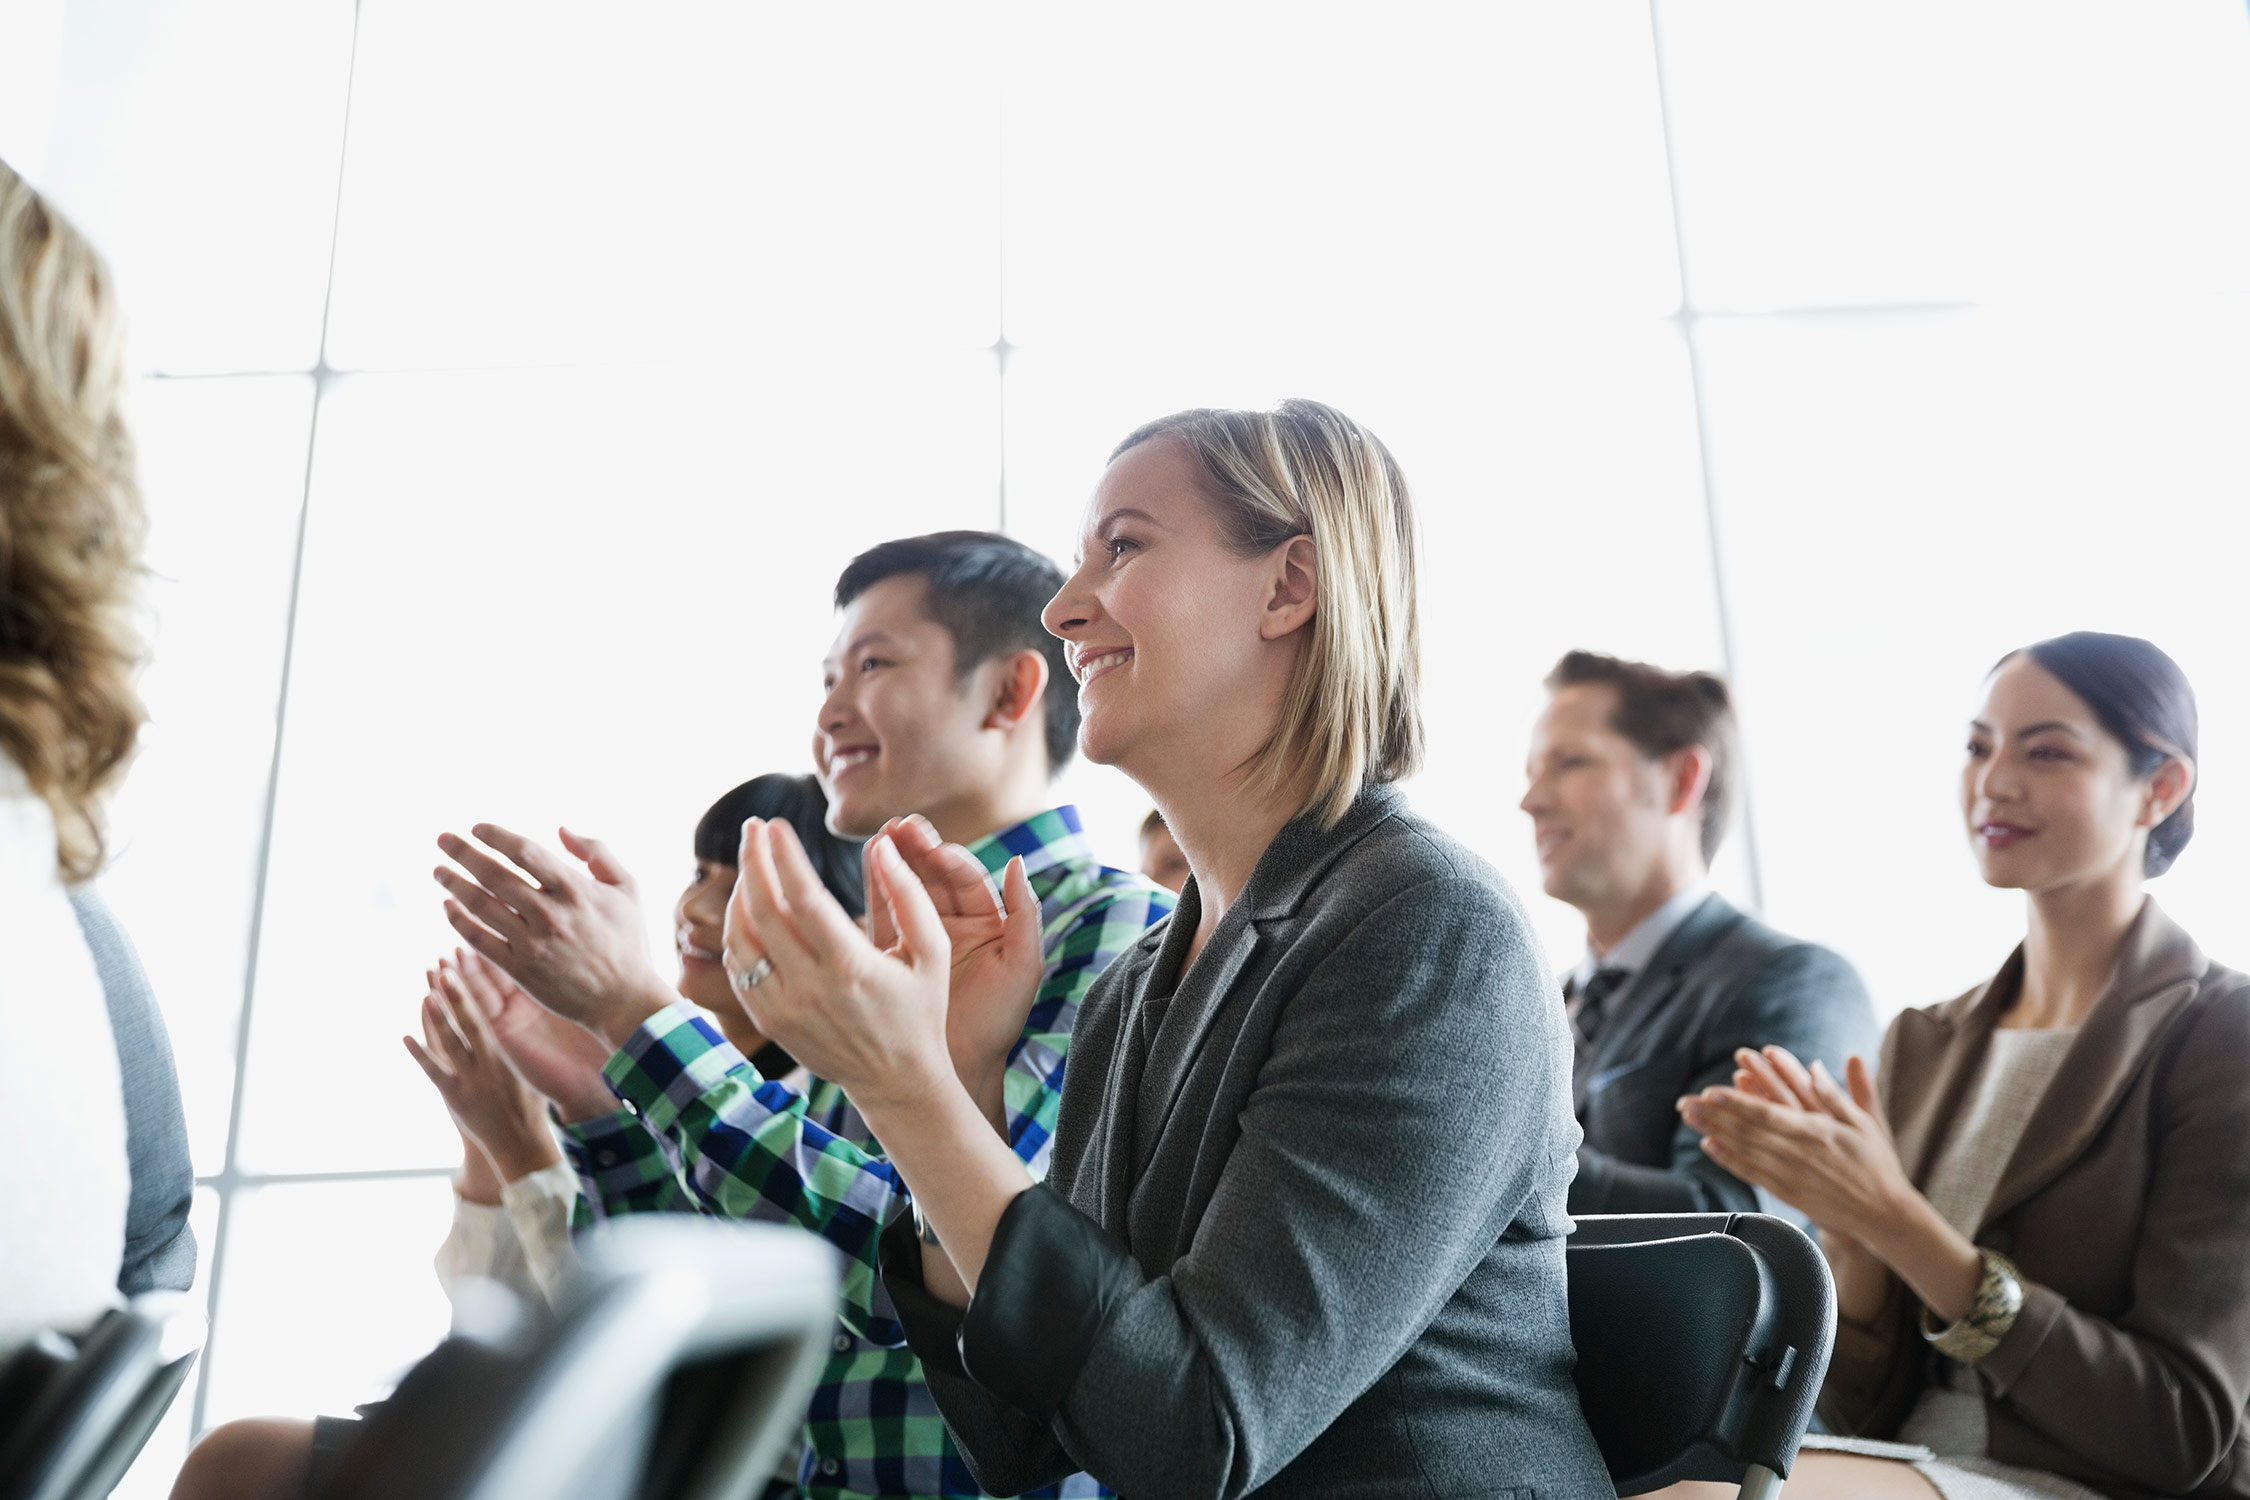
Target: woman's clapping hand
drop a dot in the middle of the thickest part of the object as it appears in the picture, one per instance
(489, 1102)
(869, 1018)
(1799, 1134)
(559, 1058)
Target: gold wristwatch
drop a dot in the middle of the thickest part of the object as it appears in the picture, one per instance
(1992, 1312)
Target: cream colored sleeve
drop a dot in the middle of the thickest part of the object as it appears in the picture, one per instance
(538, 1211)
(483, 1243)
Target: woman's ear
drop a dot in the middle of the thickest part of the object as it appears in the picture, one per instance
(1022, 688)
(2169, 785)
(1293, 593)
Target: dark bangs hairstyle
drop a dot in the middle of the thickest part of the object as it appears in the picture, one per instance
(2142, 698)
(988, 591)
(1665, 712)
(799, 802)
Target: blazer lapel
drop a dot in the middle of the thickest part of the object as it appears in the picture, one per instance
(2157, 975)
(1128, 1065)
(1292, 864)
(1645, 998)
(1932, 1061)
(1195, 1009)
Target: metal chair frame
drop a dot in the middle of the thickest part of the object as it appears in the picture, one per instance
(88, 1402)
(1768, 1307)
(678, 1363)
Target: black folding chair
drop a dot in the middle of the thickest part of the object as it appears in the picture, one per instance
(679, 1363)
(1702, 1342)
(75, 1411)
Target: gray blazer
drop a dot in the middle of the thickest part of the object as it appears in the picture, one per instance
(1723, 980)
(159, 1246)
(1303, 1234)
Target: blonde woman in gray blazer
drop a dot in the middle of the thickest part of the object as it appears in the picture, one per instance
(1303, 1234)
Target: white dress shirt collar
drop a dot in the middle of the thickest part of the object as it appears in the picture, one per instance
(1636, 948)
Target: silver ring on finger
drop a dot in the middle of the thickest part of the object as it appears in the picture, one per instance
(750, 978)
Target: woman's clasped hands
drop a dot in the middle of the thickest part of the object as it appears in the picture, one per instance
(1812, 1142)
(490, 1103)
(1825, 1148)
(935, 992)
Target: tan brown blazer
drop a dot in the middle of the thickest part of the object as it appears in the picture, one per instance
(2127, 1206)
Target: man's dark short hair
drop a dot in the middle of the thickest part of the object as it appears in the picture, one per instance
(988, 591)
(1665, 712)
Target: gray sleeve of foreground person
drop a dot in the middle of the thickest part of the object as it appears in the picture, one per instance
(1334, 1265)
(1725, 981)
(159, 1246)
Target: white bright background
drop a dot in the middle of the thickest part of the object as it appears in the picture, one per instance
(518, 376)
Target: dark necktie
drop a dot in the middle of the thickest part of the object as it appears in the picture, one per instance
(1586, 1011)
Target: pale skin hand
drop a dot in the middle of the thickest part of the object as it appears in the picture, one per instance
(874, 1022)
(489, 1103)
(477, 1182)
(570, 934)
(559, 1058)
(1803, 1137)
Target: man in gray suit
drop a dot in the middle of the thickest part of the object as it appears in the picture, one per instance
(1632, 772)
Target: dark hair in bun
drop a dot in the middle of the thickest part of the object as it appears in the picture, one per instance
(2143, 699)
(799, 802)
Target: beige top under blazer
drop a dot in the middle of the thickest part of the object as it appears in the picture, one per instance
(2127, 1205)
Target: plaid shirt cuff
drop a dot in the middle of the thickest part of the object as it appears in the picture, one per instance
(622, 1165)
(668, 1064)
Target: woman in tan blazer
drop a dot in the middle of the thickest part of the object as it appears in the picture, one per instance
(2039, 1221)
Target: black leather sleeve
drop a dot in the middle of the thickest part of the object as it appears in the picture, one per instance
(1050, 1283)
(933, 1328)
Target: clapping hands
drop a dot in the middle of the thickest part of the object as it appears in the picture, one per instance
(570, 933)
(490, 1103)
(936, 991)
(1821, 1146)
(560, 1059)
(997, 954)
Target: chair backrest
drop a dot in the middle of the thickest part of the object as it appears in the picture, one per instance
(76, 1410)
(1702, 1342)
(678, 1365)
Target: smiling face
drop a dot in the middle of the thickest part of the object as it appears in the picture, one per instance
(1600, 808)
(899, 731)
(698, 923)
(1181, 658)
(2048, 794)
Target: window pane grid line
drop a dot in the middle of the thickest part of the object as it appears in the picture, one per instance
(1729, 656)
(227, 1182)
(231, 1178)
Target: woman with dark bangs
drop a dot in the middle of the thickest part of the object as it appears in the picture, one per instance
(499, 1060)
(2038, 1213)
(497, 1057)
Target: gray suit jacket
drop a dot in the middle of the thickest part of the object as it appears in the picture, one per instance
(1303, 1233)
(159, 1246)
(1723, 980)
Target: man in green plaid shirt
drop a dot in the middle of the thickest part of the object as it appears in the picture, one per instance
(945, 697)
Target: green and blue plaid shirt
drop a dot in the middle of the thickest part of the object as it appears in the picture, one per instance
(703, 1131)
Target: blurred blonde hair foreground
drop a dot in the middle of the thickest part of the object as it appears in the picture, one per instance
(71, 523)
(1353, 713)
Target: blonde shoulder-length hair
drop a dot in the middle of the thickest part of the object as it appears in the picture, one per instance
(71, 524)
(1353, 711)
